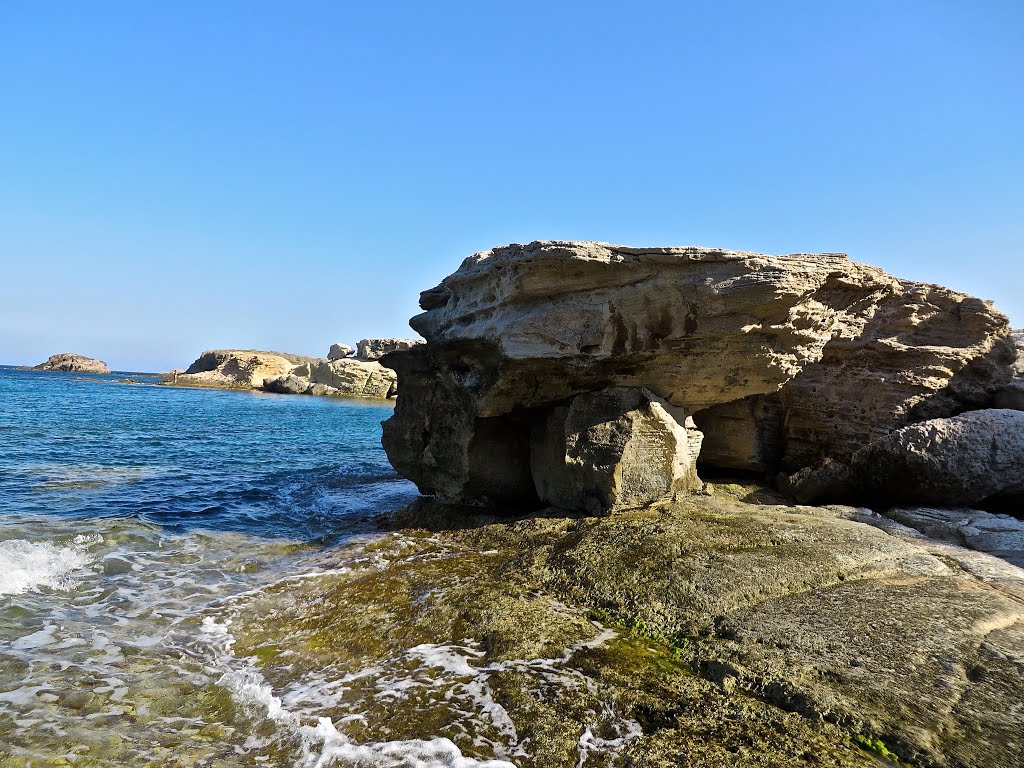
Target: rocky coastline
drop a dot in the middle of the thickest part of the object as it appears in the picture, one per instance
(343, 373)
(570, 420)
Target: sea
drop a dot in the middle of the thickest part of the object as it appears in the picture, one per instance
(136, 520)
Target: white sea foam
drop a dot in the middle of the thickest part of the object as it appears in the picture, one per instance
(27, 565)
(323, 744)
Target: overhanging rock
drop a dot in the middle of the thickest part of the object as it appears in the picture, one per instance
(781, 361)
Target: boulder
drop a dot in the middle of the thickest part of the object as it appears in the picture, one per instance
(375, 349)
(289, 384)
(974, 458)
(617, 449)
(781, 361)
(72, 363)
(339, 352)
(968, 459)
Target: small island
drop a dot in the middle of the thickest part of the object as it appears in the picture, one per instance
(69, 362)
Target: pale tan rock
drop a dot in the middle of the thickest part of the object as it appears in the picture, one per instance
(375, 349)
(238, 368)
(72, 363)
(285, 373)
(781, 361)
(339, 352)
(355, 378)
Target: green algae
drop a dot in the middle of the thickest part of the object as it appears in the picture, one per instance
(487, 597)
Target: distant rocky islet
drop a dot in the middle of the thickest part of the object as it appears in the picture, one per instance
(68, 362)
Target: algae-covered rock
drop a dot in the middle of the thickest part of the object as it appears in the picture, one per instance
(731, 630)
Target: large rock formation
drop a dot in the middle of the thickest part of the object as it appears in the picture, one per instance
(71, 363)
(339, 378)
(781, 361)
(238, 368)
(375, 349)
(288, 374)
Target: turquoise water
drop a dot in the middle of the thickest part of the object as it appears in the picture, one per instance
(133, 520)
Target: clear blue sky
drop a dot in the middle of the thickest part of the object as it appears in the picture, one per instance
(185, 175)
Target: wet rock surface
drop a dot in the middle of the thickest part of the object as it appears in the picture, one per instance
(730, 630)
(71, 363)
(780, 361)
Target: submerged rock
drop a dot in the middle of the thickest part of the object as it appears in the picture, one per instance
(781, 361)
(71, 363)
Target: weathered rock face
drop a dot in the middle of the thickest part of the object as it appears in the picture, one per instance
(781, 361)
(1012, 395)
(71, 363)
(339, 352)
(974, 458)
(289, 374)
(337, 378)
(620, 448)
(375, 349)
(238, 368)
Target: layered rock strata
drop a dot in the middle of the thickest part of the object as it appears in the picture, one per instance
(781, 361)
(340, 378)
(288, 374)
(375, 349)
(72, 363)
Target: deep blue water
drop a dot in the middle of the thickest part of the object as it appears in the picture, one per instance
(132, 519)
(85, 446)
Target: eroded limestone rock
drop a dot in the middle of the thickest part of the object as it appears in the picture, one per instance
(375, 349)
(339, 351)
(238, 368)
(781, 361)
(337, 378)
(289, 374)
(620, 448)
